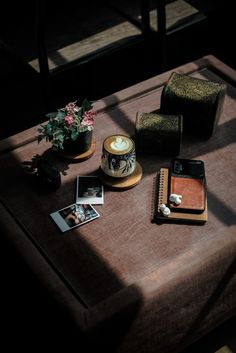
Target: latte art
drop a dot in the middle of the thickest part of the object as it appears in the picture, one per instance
(120, 144)
(118, 156)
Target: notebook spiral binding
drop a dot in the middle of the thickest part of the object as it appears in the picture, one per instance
(160, 191)
(162, 188)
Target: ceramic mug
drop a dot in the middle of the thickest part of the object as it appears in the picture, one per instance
(118, 156)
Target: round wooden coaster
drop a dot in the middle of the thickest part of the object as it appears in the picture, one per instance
(123, 183)
(78, 157)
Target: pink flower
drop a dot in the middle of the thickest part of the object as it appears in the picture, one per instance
(69, 120)
(71, 108)
(88, 118)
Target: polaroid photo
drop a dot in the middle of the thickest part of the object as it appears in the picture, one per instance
(89, 190)
(74, 216)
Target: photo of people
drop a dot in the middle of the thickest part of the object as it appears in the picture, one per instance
(89, 190)
(74, 215)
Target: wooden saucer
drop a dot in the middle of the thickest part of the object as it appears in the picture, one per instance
(123, 183)
(78, 157)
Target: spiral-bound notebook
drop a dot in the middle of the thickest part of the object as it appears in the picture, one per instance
(161, 194)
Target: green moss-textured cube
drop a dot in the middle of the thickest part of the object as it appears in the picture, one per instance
(158, 133)
(199, 101)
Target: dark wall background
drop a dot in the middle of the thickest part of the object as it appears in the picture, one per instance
(119, 66)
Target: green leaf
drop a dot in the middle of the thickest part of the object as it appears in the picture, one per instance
(86, 105)
(60, 138)
(79, 112)
(51, 115)
(82, 129)
(58, 133)
(48, 129)
(58, 142)
(61, 115)
(74, 135)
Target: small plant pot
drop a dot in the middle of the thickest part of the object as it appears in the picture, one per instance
(81, 145)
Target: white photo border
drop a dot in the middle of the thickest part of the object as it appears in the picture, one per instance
(89, 199)
(62, 220)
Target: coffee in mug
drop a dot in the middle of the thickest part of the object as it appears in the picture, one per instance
(118, 156)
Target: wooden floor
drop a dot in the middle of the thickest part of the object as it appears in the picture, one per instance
(117, 29)
(74, 31)
(88, 51)
(82, 42)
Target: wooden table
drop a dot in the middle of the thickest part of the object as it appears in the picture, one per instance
(123, 279)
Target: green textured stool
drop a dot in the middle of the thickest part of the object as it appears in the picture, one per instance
(158, 133)
(199, 101)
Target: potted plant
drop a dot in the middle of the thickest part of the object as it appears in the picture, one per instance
(70, 128)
